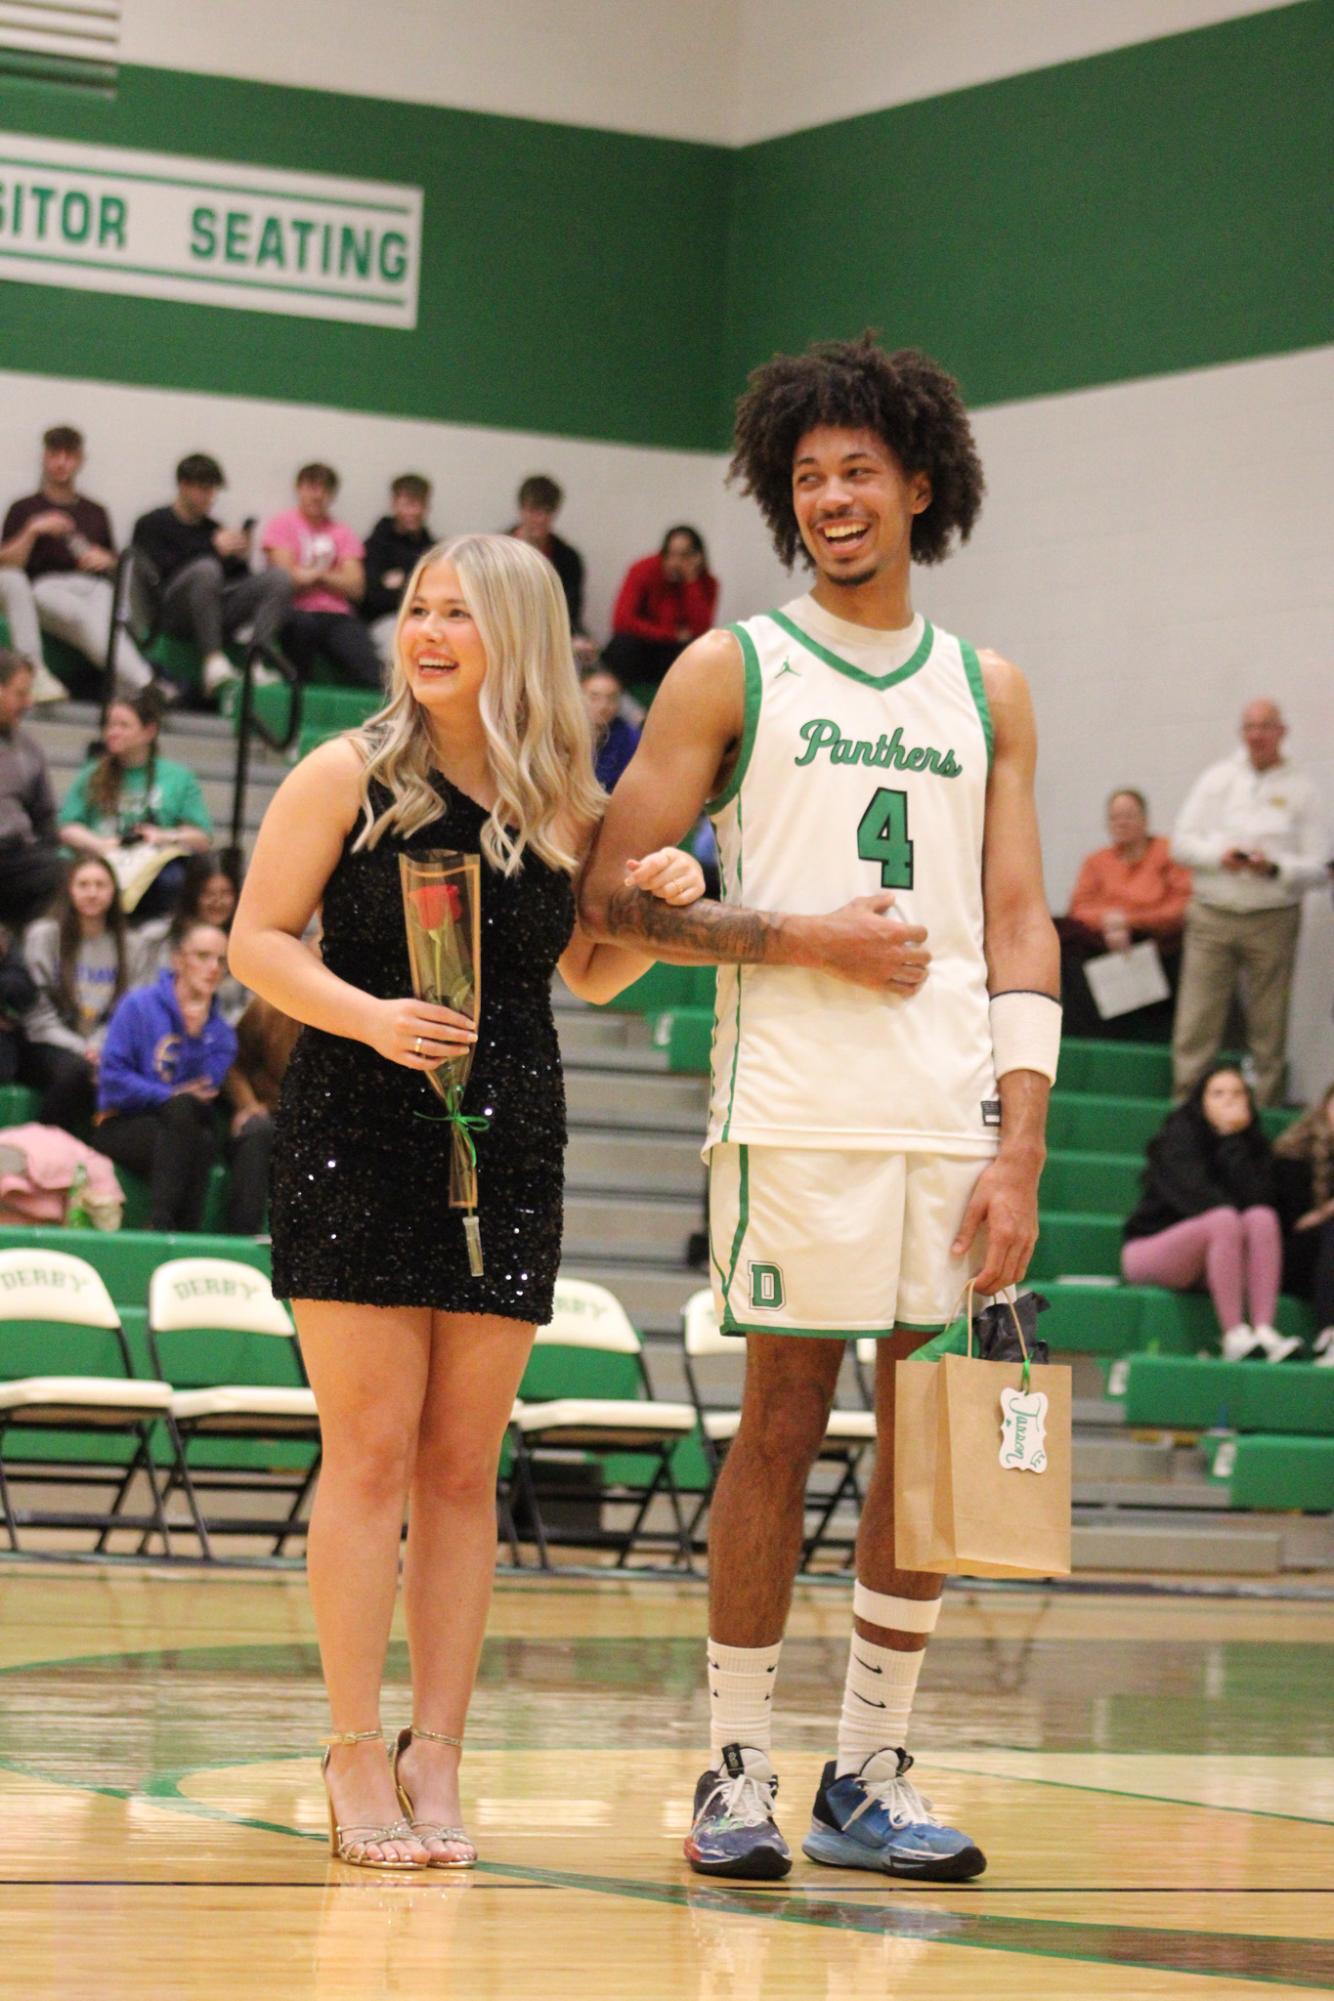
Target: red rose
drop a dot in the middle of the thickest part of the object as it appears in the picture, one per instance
(435, 903)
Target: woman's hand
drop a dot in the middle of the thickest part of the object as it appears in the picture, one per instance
(668, 874)
(417, 1034)
(1313, 1217)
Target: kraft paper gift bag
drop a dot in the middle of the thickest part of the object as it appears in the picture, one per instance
(982, 1466)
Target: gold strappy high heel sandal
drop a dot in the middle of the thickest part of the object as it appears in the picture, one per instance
(358, 1836)
(429, 1830)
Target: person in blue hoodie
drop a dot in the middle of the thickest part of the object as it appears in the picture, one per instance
(164, 1063)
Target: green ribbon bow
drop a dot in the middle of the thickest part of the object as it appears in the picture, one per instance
(466, 1123)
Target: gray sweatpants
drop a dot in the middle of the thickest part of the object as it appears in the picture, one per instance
(76, 607)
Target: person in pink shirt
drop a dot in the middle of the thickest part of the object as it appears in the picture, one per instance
(324, 560)
(1125, 893)
(664, 602)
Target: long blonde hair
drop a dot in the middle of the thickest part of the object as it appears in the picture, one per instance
(1311, 1140)
(538, 735)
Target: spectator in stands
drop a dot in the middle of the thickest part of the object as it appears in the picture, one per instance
(323, 558)
(1251, 831)
(1125, 893)
(614, 739)
(265, 1039)
(394, 547)
(664, 602)
(164, 1062)
(1304, 1159)
(63, 544)
(30, 866)
(138, 809)
(17, 994)
(201, 577)
(540, 501)
(79, 962)
(208, 896)
(1207, 1211)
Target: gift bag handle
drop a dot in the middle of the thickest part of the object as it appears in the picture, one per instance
(966, 1302)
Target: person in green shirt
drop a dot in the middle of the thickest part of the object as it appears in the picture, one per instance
(136, 808)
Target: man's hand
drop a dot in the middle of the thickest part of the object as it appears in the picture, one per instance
(97, 560)
(52, 523)
(231, 542)
(196, 1087)
(1005, 1201)
(1116, 931)
(864, 943)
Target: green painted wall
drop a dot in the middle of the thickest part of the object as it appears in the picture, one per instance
(1159, 208)
(1155, 209)
(572, 280)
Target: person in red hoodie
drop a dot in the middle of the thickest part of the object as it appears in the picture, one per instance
(664, 602)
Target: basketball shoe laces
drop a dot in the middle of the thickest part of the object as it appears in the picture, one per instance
(746, 1800)
(900, 1799)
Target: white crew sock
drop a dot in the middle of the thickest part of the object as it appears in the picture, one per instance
(877, 1701)
(741, 1695)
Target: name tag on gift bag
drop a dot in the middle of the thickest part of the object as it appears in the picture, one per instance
(968, 1435)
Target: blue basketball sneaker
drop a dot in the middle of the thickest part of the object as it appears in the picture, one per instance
(875, 1819)
(733, 1832)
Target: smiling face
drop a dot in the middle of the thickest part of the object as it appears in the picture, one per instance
(854, 504)
(91, 889)
(125, 736)
(439, 646)
(216, 900)
(1126, 823)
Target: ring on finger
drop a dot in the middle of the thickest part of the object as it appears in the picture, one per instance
(417, 1047)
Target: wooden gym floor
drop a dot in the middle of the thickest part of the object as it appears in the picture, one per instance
(1152, 1779)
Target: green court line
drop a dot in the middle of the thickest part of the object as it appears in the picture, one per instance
(1301, 1961)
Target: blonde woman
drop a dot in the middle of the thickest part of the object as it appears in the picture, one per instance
(483, 745)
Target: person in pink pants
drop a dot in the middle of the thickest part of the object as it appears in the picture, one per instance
(1207, 1214)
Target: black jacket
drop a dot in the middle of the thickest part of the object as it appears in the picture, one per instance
(1192, 1168)
(387, 550)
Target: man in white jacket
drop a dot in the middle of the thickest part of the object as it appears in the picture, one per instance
(1251, 830)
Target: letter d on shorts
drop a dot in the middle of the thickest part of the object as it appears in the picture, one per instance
(766, 1287)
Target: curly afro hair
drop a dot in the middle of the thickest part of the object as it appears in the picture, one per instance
(905, 398)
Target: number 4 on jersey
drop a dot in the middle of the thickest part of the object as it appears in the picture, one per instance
(882, 836)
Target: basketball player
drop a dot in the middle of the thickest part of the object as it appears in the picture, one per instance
(886, 1037)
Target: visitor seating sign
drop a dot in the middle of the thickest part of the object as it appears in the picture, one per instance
(157, 225)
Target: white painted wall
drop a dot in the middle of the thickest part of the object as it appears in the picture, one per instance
(667, 69)
(619, 498)
(798, 65)
(1154, 555)
(724, 71)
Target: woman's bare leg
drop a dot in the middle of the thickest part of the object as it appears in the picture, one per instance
(476, 1363)
(368, 1367)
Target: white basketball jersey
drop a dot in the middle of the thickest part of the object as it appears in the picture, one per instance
(862, 766)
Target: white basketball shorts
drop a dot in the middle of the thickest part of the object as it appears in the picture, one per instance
(810, 1240)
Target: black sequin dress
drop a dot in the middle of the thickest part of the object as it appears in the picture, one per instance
(359, 1202)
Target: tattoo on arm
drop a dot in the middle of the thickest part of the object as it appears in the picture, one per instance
(705, 933)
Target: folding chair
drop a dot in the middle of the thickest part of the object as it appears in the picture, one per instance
(590, 1344)
(230, 1351)
(848, 1434)
(51, 1302)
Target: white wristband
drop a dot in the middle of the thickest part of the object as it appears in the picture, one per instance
(1026, 1033)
